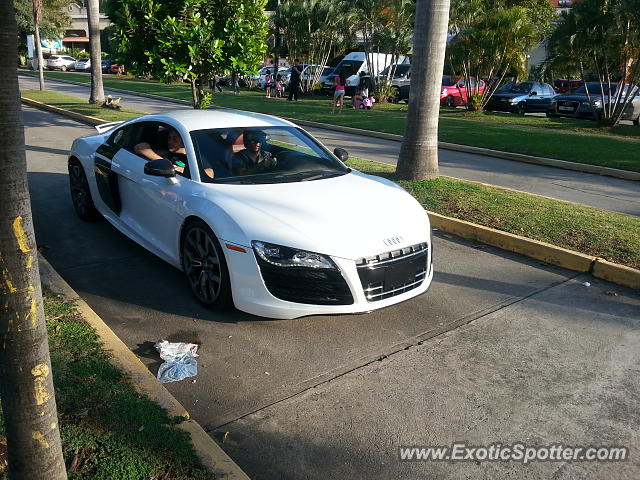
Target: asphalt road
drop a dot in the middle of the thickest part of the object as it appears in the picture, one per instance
(501, 349)
(597, 191)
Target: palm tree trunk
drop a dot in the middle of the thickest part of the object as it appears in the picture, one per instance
(37, 17)
(26, 384)
(419, 151)
(93, 19)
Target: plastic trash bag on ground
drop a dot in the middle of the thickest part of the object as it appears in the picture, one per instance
(179, 361)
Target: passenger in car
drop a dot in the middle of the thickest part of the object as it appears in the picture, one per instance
(253, 159)
(175, 152)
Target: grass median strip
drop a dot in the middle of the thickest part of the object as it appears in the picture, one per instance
(612, 236)
(109, 431)
(563, 139)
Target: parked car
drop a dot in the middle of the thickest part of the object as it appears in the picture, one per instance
(83, 65)
(563, 86)
(110, 66)
(522, 97)
(60, 62)
(454, 92)
(400, 82)
(263, 75)
(356, 62)
(578, 104)
(234, 233)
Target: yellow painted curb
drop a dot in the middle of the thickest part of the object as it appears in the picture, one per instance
(514, 243)
(208, 451)
(619, 274)
(77, 116)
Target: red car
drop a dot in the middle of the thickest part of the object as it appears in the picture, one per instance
(563, 86)
(454, 92)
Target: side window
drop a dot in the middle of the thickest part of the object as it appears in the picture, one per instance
(119, 137)
(162, 141)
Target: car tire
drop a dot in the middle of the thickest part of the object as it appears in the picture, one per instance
(81, 193)
(636, 121)
(550, 115)
(521, 108)
(204, 266)
(450, 102)
(63, 68)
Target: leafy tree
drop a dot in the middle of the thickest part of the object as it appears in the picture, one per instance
(602, 37)
(52, 25)
(26, 385)
(418, 158)
(492, 38)
(314, 30)
(190, 40)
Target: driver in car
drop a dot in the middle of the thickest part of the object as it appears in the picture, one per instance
(253, 159)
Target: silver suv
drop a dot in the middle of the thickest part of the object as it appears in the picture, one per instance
(61, 62)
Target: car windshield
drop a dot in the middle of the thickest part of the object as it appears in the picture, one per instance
(524, 87)
(594, 89)
(259, 155)
(448, 81)
(401, 71)
(327, 71)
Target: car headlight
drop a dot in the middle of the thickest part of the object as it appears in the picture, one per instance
(514, 100)
(288, 257)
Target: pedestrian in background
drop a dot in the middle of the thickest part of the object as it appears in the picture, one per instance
(267, 83)
(338, 94)
(235, 79)
(279, 86)
(294, 80)
(214, 84)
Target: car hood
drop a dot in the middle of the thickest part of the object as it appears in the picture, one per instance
(349, 216)
(498, 96)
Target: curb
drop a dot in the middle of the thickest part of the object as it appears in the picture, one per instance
(516, 157)
(207, 450)
(76, 116)
(545, 252)
(561, 257)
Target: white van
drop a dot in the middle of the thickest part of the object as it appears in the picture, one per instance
(355, 62)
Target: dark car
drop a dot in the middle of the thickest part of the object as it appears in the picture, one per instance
(578, 104)
(110, 66)
(522, 97)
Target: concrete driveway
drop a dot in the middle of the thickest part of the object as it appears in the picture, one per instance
(501, 349)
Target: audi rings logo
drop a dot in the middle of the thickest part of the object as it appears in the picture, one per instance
(390, 242)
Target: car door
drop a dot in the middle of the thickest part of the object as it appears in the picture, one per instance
(536, 98)
(152, 207)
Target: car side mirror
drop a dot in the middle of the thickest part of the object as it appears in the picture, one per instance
(534, 93)
(160, 168)
(341, 153)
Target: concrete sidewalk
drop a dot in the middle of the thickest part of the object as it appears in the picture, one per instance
(607, 193)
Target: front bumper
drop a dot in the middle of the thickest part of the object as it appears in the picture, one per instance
(365, 290)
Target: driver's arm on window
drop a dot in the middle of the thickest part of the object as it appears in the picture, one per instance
(145, 150)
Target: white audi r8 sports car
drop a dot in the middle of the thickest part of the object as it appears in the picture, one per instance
(255, 212)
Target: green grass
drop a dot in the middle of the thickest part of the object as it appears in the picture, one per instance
(612, 236)
(108, 430)
(564, 139)
(75, 104)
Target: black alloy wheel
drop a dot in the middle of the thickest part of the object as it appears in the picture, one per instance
(80, 192)
(522, 108)
(204, 266)
(450, 102)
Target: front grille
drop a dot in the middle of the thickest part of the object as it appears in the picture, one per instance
(305, 285)
(393, 273)
(567, 106)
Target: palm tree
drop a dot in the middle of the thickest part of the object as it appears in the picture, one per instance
(97, 89)
(419, 151)
(26, 385)
(37, 18)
